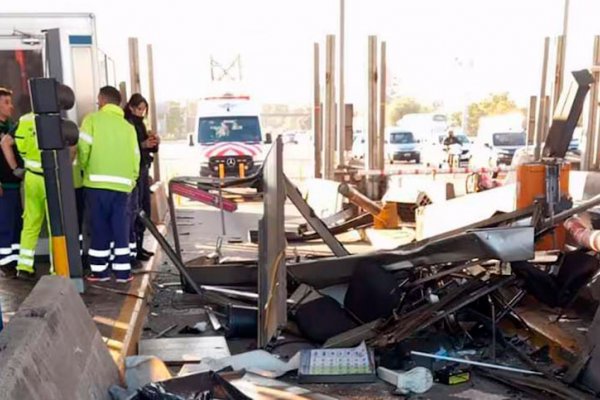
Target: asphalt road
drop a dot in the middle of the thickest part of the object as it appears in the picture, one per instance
(177, 158)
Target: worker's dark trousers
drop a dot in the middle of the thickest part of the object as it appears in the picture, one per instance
(143, 186)
(132, 210)
(11, 223)
(109, 222)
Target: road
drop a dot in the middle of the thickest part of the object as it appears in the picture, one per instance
(177, 158)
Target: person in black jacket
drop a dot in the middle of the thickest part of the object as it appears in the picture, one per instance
(135, 112)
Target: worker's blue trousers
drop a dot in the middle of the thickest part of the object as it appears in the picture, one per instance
(11, 223)
(109, 222)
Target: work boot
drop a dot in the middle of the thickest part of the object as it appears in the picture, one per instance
(26, 275)
(142, 250)
(146, 252)
(124, 279)
(8, 271)
(85, 263)
(142, 257)
(136, 264)
(93, 278)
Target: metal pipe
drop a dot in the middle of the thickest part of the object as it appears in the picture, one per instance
(594, 201)
(476, 363)
(173, 215)
(169, 252)
(359, 199)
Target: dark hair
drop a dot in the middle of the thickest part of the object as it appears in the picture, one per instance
(5, 92)
(134, 101)
(111, 94)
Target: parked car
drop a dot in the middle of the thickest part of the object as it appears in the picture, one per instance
(496, 148)
(402, 145)
(435, 154)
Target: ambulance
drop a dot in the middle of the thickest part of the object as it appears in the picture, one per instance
(230, 137)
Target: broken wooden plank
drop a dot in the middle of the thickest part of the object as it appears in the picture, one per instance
(180, 350)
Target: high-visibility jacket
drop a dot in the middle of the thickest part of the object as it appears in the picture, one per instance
(107, 151)
(26, 141)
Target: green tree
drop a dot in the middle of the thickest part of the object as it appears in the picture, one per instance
(399, 107)
(175, 120)
(456, 118)
(493, 104)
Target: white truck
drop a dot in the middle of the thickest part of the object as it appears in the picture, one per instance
(230, 136)
(61, 46)
(425, 126)
(58, 45)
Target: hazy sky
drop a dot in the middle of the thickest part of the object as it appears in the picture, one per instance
(499, 43)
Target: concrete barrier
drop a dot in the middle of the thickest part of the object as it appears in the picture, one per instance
(51, 348)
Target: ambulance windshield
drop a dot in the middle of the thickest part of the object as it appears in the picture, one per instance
(229, 129)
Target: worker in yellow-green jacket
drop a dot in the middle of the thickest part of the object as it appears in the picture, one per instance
(108, 154)
(35, 195)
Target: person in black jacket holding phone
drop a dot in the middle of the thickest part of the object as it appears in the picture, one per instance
(135, 112)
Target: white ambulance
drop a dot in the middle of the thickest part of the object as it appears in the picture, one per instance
(230, 137)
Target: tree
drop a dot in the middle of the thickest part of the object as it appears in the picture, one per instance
(456, 118)
(493, 104)
(399, 107)
(175, 120)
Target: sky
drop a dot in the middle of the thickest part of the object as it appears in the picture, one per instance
(438, 50)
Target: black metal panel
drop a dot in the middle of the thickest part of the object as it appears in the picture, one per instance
(567, 113)
(317, 224)
(272, 288)
(54, 55)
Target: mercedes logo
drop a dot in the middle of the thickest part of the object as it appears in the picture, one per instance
(230, 162)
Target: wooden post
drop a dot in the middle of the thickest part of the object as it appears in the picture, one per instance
(592, 153)
(330, 114)
(531, 119)
(152, 101)
(371, 142)
(134, 66)
(123, 91)
(382, 104)
(539, 137)
(547, 118)
(317, 114)
(342, 103)
(559, 70)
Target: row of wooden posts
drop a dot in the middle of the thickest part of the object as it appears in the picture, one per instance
(330, 137)
(136, 87)
(542, 107)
